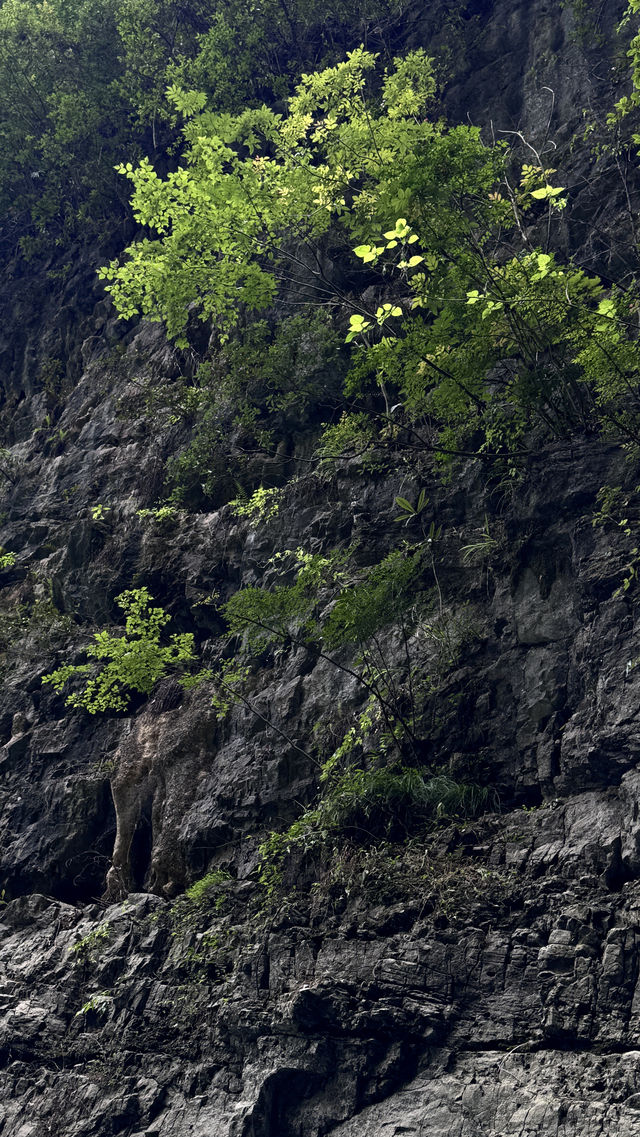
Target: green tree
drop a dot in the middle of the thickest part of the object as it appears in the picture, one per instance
(259, 191)
(476, 330)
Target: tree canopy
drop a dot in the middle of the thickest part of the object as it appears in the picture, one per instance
(459, 314)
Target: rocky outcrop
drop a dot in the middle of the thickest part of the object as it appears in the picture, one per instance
(481, 980)
(503, 1004)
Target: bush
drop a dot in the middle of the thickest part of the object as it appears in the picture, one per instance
(369, 805)
(135, 662)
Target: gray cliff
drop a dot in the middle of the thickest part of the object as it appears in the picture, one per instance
(478, 981)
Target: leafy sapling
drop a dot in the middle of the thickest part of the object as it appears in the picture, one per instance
(127, 664)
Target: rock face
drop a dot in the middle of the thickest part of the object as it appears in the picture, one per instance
(480, 978)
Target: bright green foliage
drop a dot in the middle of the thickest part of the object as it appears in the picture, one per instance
(250, 179)
(208, 891)
(608, 358)
(368, 724)
(477, 331)
(261, 506)
(161, 515)
(7, 560)
(473, 331)
(131, 663)
(84, 84)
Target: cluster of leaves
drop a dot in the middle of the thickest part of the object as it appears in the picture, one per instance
(161, 516)
(261, 506)
(259, 190)
(204, 890)
(363, 608)
(354, 436)
(126, 664)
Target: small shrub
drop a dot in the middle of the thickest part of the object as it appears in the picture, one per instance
(261, 506)
(86, 949)
(207, 890)
(134, 662)
(369, 805)
(160, 515)
(204, 899)
(353, 437)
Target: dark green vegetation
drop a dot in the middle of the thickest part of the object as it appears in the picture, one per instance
(352, 282)
(85, 84)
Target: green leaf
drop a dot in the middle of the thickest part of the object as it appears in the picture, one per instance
(358, 323)
(546, 192)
